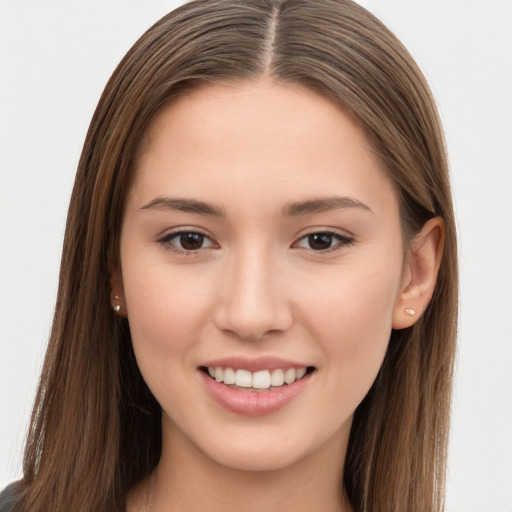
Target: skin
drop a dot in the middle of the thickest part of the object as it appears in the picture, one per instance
(255, 286)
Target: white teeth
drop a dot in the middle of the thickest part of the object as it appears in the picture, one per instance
(277, 378)
(300, 373)
(289, 375)
(243, 378)
(263, 379)
(229, 376)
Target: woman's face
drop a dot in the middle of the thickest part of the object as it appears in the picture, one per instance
(261, 240)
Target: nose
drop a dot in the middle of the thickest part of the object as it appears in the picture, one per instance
(253, 298)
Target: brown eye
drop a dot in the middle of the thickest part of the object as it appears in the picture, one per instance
(320, 241)
(186, 241)
(324, 241)
(191, 241)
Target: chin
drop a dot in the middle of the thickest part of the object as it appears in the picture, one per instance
(263, 450)
(256, 459)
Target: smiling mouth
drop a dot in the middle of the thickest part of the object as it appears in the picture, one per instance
(263, 380)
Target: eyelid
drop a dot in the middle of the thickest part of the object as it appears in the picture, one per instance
(344, 240)
(166, 237)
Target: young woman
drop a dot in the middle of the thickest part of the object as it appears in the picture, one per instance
(258, 292)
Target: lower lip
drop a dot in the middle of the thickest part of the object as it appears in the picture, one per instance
(253, 403)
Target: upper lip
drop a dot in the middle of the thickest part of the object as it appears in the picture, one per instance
(254, 364)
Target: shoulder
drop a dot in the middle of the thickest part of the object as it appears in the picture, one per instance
(7, 499)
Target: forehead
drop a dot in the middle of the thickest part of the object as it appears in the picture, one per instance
(273, 139)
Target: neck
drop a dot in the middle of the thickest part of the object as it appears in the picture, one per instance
(187, 480)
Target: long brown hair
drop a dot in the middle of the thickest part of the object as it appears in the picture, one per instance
(95, 428)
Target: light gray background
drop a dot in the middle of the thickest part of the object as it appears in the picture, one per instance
(55, 58)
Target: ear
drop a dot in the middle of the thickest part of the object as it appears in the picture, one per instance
(117, 292)
(423, 260)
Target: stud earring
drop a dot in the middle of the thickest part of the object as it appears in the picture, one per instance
(410, 311)
(117, 307)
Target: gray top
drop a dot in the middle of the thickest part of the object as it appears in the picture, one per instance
(7, 499)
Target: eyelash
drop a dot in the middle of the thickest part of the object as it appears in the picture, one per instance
(342, 241)
(166, 241)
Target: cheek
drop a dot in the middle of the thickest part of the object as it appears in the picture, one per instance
(351, 319)
(165, 312)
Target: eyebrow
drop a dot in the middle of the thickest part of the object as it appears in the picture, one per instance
(322, 204)
(184, 205)
(305, 207)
